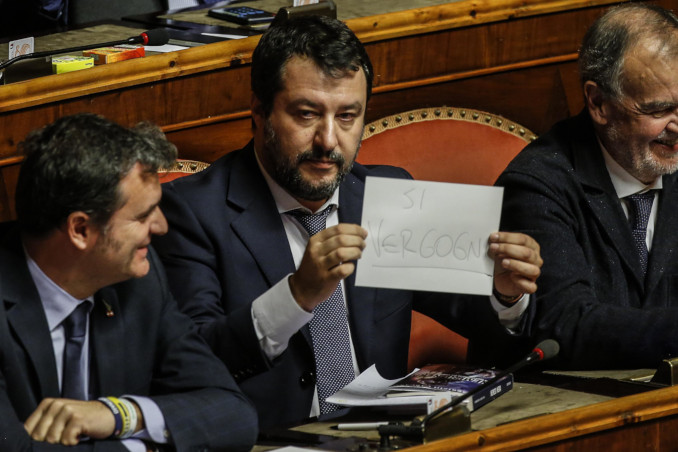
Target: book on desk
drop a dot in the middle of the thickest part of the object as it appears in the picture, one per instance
(424, 390)
(454, 380)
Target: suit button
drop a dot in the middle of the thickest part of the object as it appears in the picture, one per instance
(307, 378)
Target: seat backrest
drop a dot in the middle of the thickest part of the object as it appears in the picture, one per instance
(181, 168)
(445, 144)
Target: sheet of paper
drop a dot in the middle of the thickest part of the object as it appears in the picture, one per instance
(293, 449)
(366, 387)
(165, 48)
(225, 35)
(429, 236)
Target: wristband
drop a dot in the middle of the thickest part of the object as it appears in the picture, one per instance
(507, 301)
(125, 416)
(132, 416)
(116, 415)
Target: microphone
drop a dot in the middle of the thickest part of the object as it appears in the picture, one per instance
(155, 37)
(546, 349)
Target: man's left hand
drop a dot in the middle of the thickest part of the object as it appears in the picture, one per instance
(63, 421)
(517, 263)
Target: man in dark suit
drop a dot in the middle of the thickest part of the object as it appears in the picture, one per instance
(607, 302)
(94, 352)
(240, 259)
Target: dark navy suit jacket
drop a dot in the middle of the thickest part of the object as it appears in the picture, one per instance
(147, 348)
(227, 246)
(592, 297)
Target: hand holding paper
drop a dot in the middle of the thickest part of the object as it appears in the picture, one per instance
(517, 263)
(433, 236)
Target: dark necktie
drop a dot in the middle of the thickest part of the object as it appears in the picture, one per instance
(640, 206)
(329, 330)
(73, 384)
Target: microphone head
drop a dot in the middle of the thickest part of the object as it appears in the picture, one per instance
(155, 37)
(547, 349)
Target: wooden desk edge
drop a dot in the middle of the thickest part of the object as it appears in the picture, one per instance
(239, 52)
(564, 425)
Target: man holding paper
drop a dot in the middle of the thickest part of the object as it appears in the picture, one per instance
(272, 286)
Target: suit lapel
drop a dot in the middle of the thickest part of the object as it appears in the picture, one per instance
(26, 317)
(360, 300)
(664, 243)
(602, 198)
(259, 226)
(106, 334)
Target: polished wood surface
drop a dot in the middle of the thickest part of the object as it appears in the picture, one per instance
(540, 417)
(647, 421)
(509, 57)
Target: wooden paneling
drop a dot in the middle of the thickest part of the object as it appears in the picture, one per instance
(509, 57)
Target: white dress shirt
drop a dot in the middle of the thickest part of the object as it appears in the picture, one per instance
(625, 185)
(58, 305)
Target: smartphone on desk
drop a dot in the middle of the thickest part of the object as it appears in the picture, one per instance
(243, 15)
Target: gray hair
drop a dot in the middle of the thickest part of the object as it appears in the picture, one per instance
(606, 43)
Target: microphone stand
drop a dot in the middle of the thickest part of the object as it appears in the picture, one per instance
(46, 53)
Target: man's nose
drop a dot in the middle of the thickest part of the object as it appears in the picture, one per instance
(158, 222)
(326, 135)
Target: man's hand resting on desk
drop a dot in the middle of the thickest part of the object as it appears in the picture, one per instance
(517, 264)
(64, 421)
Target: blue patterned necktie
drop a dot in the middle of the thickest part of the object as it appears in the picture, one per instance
(640, 206)
(75, 329)
(329, 329)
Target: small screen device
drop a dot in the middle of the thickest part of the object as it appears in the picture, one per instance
(243, 15)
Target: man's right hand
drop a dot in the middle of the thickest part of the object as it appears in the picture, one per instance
(63, 421)
(329, 258)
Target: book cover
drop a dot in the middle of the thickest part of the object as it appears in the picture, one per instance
(454, 379)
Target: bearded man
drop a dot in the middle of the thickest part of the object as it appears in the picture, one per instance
(262, 245)
(599, 193)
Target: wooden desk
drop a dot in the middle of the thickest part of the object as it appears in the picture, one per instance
(647, 421)
(541, 418)
(515, 58)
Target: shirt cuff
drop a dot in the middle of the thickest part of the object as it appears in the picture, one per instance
(510, 317)
(155, 428)
(134, 445)
(277, 317)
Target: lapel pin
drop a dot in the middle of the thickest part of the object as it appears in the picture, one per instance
(109, 309)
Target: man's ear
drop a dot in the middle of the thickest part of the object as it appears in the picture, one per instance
(81, 231)
(257, 112)
(596, 103)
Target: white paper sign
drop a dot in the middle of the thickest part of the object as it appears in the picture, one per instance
(429, 236)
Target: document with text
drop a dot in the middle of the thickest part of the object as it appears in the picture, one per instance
(429, 236)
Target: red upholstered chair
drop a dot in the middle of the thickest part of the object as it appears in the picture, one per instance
(443, 144)
(181, 168)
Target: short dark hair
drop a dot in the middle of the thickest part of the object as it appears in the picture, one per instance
(76, 164)
(332, 46)
(605, 45)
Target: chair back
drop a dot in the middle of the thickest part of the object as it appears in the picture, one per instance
(181, 168)
(445, 144)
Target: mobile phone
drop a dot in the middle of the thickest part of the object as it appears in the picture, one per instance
(243, 15)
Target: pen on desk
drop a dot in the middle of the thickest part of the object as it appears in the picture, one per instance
(360, 425)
